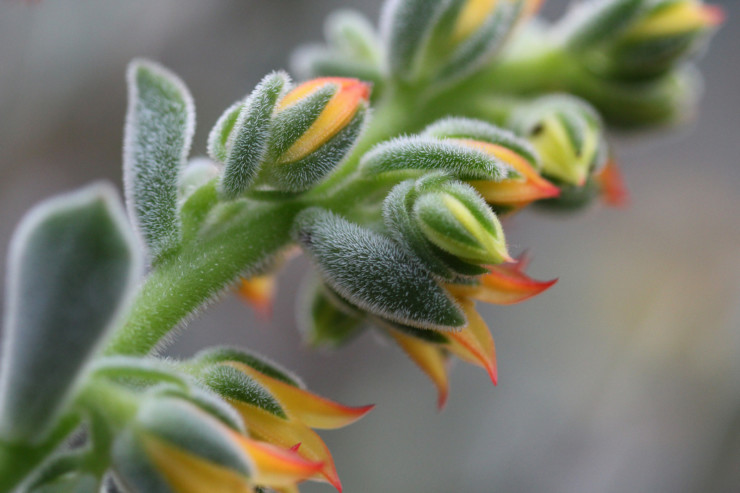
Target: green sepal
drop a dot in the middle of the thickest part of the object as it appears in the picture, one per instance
(322, 321)
(188, 428)
(225, 354)
(220, 138)
(197, 173)
(74, 482)
(248, 146)
(160, 123)
(589, 24)
(234, 385)
(72, 264)
(468, 128)
(204, 398)
(297, 176)
(409, 156)
(405, 30)
(130, 467)
(480, 46)
(426, 335)
(375, 273)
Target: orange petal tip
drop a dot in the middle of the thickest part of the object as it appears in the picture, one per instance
(613, 190)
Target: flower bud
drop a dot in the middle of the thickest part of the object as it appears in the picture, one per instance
(314, 127)
(640, 38)
(566, 133)
(174, 446)
(446, 40)
(457, 220)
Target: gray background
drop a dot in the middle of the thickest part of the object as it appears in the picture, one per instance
(624, 377)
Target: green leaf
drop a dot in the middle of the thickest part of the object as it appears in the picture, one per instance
(76, 482)
(205, 399)
(251, 134)
(72, 264)
(160, 122)
(232, 384)
(421, 153)
(374, 273)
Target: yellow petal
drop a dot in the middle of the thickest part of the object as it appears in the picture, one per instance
(682, 17)
(474, 343)
(311, 409)
(187, 473)
(429, 358)
(472, 16)
(286, 433)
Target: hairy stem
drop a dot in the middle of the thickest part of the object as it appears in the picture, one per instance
(245, 240)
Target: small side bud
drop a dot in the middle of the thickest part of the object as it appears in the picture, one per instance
(458, 221)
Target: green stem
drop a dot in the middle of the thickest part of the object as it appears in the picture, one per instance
(247, 236)
(18, 460)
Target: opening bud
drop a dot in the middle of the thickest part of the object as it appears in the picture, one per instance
(566, 133)
(314, 127)
(457, 220)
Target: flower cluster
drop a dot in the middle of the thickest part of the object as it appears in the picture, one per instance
(478, 114)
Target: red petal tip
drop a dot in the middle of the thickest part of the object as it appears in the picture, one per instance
(442, 400)
(714, 14)
(295, 447)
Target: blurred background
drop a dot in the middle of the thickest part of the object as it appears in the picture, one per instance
(623, 377)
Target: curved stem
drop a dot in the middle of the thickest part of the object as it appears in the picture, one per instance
(245, 239)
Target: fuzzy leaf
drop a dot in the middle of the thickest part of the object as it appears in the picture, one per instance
(205, 399)
(71, 265)
(139, 369)
(251, 134)
(232, 384)
(404, 154)
(374, 273)
(225, 354)
(160, 122)
(468, 128)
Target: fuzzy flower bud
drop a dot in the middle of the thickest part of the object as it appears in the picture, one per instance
(442, 40)
(174, 446)
(639, 38)
(314, 127)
